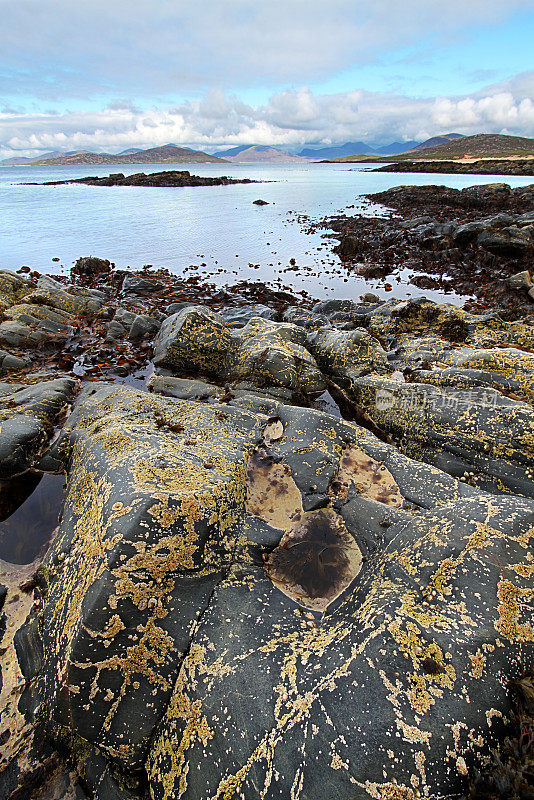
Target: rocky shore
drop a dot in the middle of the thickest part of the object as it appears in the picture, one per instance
(477, 241)
(166, 178)
(294, 555)
(494, 166)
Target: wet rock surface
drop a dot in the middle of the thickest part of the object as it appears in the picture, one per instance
(471, 241)
(245, 596)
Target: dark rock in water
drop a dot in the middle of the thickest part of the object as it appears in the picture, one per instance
(89, 267)
(166, 178)
(260, 202)
(233, 597)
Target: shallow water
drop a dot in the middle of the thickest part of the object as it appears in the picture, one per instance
(29, 527)
(218, 226)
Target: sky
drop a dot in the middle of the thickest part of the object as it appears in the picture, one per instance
(108, 75)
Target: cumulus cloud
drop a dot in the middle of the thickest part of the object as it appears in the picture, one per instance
(289, 119)
(60, 48)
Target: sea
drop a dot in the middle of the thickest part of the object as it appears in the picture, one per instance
(216, 232)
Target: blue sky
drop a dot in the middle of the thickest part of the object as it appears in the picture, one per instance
(110, 75)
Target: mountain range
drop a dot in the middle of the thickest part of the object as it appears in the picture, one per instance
(168, 153)
(360, 148)
(450, 145)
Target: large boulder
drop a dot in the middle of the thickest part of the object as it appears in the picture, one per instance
(194, 341)
(510, 241)
(238, 606)
(273, 354)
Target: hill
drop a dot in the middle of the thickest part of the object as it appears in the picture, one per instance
(22, 162)
(233, 151)
(262, 153)
(482, 145)
(168, 153)
(435, 141)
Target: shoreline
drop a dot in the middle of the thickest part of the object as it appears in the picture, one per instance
(521, 167)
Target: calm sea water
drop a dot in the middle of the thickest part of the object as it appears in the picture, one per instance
(217, 226)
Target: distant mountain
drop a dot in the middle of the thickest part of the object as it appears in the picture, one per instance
(262, 153)
(337, 151)
(234, 151)
(483, 145)
(169, 153)
(396, 147)
(20, 162)
(130, 150)
(435, 141)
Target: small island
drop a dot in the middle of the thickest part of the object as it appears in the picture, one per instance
(167, 178)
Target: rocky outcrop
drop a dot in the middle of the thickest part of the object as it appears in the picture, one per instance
(218, 572)
(494, 166)
(165, 178)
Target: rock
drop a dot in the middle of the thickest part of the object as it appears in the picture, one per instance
(115, 331)
(477, 434)
(32, 314)
(531, 293)
(91, 267)
(151, 547)
(238, 317)
(346, 354)
(194, 341)
(512, 241)
(28, 415)
(72, 302)
(124, 317)
(13, 289)
(189, 649)
(272, 354)
(15, 334)
(260, 202)
(143, 326)
(521, 281)
(466, 234)
(398, 321)
(304, 318)
(141, 285)
(11, 363)
(404, 616)
(368, 297)
(184, 389)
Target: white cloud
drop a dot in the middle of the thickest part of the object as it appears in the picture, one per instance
(61, 48)
(290, 118)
